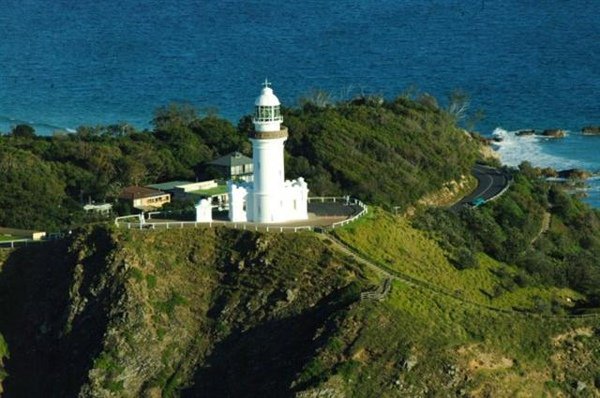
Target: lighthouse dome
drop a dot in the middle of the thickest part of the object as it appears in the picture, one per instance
(267, 98)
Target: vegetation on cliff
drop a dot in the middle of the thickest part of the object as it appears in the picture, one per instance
(218, 312)
(384, 152)
(133, 313)
(484, 302)
(562, 253)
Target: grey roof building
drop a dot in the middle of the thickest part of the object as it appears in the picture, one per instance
(235, 166)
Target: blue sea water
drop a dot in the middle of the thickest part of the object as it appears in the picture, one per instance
(527, 64)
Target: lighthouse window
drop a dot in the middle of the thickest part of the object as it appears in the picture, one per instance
(267, 113)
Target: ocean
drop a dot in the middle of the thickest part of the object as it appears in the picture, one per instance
(526, 64)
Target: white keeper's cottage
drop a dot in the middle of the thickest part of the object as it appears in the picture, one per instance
(269, 198)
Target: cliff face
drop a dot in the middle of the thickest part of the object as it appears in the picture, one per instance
(145, 314)
(225, 313)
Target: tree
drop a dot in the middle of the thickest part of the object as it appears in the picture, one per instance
(458, 104)
(32, 193)
(23, 131)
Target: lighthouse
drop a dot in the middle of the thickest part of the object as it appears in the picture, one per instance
(269, 198)
(267, 140)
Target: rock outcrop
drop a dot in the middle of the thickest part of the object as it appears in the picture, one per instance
(591, 130)
(574, 174)
(554, 133)
(522, 133)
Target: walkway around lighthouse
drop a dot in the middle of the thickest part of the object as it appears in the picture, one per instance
(343, 210)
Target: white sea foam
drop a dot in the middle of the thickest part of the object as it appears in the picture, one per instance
(515, 149)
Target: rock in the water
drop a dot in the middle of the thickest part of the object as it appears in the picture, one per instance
(591, 130)
(554, 133)
(521, 133)
(574, 174)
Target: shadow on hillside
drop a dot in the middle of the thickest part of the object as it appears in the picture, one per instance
(264, 361)
(46, 358)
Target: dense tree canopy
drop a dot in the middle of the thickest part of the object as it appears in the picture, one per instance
(32, 193)
(388, 153)
(510, 229)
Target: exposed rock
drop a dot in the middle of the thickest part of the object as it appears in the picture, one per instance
(410, 363)
(290, 295)
(554, 133)
(591, 130)
(574, 174)
(580, 386)
(522, 133)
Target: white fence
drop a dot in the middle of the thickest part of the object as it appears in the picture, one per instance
(137, 221)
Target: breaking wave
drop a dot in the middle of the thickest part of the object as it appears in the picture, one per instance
(42, 128)
(515, 149)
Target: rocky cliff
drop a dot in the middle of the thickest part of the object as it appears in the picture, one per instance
(225, 313)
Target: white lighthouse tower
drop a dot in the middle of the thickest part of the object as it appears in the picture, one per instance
(269, 198)
(267, 155)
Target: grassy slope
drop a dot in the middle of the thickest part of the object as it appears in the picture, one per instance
(453, 349)
(391, 241)
(453, 346)
(230, 313)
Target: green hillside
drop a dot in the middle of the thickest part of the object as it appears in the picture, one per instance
(490, 302)
(384, 152)
(219, 312)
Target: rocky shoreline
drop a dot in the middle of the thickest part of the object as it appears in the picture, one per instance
(550, 133)
(557, 133)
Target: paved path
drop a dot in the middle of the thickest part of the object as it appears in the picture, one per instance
(491, 182)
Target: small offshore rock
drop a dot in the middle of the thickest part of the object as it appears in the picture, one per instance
(591, 130)
(575, 174)
(522, 133)
(554, 133)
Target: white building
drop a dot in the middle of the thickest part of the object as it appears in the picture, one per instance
(269, 198)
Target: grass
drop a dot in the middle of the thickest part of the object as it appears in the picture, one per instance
(504, 354)
(391, 241)
(4, 238)
(218, 190)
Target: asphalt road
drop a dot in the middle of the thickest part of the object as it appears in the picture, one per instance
(491, 182)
